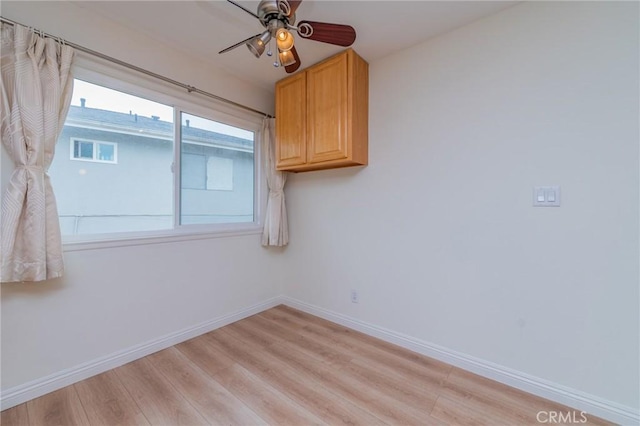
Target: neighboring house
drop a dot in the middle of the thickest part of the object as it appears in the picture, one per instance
(216, 174)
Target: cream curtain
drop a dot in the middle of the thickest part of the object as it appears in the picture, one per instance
(276, 228)
(36, 85)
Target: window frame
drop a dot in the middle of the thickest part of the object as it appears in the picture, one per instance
(115, 77)
(95, 151)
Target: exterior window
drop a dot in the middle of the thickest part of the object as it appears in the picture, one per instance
(215, 183)
(217, 172)
(202, 172)
(103, 152)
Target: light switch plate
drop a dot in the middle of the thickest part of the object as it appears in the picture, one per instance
(546, 196)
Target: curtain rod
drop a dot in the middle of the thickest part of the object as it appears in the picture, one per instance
(188, 88)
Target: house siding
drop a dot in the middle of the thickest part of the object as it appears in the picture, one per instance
(136, 192)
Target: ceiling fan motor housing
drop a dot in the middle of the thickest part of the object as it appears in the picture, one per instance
(270, 10)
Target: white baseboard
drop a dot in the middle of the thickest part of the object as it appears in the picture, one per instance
(570, 397)
(22, 393)
(573, 398)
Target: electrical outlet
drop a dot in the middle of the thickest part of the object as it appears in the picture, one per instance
(354, 296)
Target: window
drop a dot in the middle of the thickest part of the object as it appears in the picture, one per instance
(198, 175)
(203, 172)
(103, 152)
(217, 172)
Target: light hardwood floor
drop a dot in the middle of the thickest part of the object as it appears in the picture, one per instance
(285, 367)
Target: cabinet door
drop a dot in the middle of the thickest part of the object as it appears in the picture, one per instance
(291, 116)
(327, 110)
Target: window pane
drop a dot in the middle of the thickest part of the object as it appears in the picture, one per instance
(106, 152)
(136, 194)
(83, 150)
(227, 155)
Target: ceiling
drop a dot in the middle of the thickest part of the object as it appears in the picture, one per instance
(203, 28)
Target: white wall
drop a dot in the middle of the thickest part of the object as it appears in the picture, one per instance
(438, 234)
(116, 298)
(113, 299)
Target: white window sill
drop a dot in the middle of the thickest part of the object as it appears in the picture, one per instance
(107, 241)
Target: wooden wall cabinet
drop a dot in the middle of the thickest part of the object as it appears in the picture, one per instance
(322, 115)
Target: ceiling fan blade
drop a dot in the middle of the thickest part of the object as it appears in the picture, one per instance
(293, 67)
(244, 8)
(294, 5)
(341, 35)
(240, 43)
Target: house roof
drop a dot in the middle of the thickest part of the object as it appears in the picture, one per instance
(152, 127)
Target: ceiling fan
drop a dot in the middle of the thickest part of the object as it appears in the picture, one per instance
(279, 17)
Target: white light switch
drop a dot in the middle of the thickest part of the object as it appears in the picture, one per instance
(551, 196)
(546, 196)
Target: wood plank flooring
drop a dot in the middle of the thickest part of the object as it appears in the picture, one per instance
(285, 367)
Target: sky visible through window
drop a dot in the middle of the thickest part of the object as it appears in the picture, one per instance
(112, 100)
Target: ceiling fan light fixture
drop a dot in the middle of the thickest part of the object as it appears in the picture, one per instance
(287, 58)
(284, 39)
(278, 17)
(257, 44)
